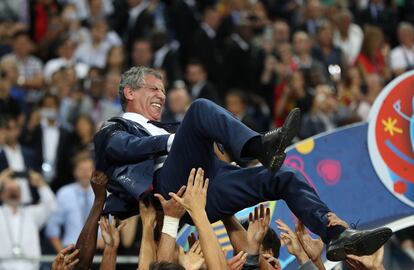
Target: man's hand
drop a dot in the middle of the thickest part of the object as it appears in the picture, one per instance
(237, 262)
(98, 183)
(110, 233)
(193, 259)
(312, 247)
(171, 207)
(66, 259)
(36, 179)
(258, 226)
(6, 175)
(195, 196)
(274, 262)
(334, 220)
(291, 241)
(148, 214)
(371, 262)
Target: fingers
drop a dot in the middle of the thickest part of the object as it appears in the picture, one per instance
(73, 264)
(240, 260)
(355, 258)
(190, 182)
(161, 198)
(67, 249)
(121, 225)
(180, 192)
(176, 198)
(267, 217)
(71, 257)
(205, 188)
(261, 211)
(256, 213)
(283, 227)
(197, 249)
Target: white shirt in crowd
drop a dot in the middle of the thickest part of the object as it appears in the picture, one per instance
(152, 130)
(352, 45)
(21, 230)
(15, 161)
(402, 57)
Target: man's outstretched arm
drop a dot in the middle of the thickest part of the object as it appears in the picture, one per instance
(125, 147)
(87, 239)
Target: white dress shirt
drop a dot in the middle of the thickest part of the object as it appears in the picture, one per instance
(402, 57)
(152, 130)
(22, 229)
(352, 45)
(16, 164)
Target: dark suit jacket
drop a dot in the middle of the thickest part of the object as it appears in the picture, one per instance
(141, 29)
(34, 141)
(209, 91)
(171, 65)
(126, 153)
(207, 50)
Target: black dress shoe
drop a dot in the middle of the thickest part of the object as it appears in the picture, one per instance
(359, 243)
(275, 141)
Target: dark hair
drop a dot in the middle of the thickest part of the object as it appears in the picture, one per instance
(52, 96)
(270, 241)
(81, 157)
(196, 62)
(21, 33)
(165, 266)
(239, 93)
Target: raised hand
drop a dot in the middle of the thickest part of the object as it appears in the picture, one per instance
(312, 247)
(110, 233)
(148, 214)
(274, 262)
(291, 241)
(193, 259)
(36, 179)
(195, 196)
(371, 262)
(334, 220)
(237, 262)
(258, 225)
(172, 208)
(66, 259)
(98, 183)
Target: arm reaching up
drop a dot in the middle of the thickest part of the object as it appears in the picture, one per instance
(194, 201)
(111, 239)
(173, 211)
(147, 253)
(87, 239)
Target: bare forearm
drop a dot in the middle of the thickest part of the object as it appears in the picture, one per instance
(319, 264)
(56, 243)
(147, 253)
(108, 259)
(236, 233)
(87, 239)
(167, 249)
(209, 244)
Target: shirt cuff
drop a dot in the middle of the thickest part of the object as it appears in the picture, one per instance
(170, 142)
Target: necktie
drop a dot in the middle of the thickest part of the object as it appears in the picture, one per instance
(170, 127)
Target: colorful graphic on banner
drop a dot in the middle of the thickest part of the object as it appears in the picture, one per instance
(391, 137)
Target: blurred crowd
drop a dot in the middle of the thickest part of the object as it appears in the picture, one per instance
(61, 62)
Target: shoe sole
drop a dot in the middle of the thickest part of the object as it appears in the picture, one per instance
(291, 125)
(363, 246)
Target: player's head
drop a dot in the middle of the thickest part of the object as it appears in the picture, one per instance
(142, 91)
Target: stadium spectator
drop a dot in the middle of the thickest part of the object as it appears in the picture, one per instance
(236, 103)
(142, 53)
(206, 45)
(66, 58)
(20, 225)
(374, 86)
(374, 55)
(198, 83)
(313, 17)
(115, 61)
(30, 67)
(74, 202)
(348, 36)
(313, 70)
(178, 101)
(8, 104)
(19, 159)
(94, 52)
(402, 57)
(48, 138)
(323, 114)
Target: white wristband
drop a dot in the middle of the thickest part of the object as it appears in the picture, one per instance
(170, 226)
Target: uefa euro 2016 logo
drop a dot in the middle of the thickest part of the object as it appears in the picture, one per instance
(391, 137)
